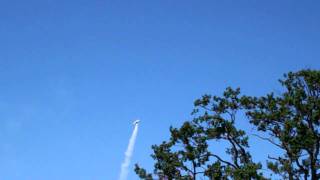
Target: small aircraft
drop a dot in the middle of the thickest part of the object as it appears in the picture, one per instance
(136, 122)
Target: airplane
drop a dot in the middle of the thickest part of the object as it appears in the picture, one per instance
(136, 122)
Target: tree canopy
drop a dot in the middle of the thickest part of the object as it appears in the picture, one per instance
(289, 121)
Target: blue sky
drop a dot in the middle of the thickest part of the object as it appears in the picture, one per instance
(75, 74)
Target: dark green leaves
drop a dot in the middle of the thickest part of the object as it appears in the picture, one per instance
(289, 120)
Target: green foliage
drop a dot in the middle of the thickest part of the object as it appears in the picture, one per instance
(289, 121)
(142, 173)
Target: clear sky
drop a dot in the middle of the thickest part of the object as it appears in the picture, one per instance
(75, 74)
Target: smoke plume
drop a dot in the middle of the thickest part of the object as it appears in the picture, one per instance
(128, 154)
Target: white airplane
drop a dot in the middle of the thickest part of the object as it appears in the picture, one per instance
(136, 122)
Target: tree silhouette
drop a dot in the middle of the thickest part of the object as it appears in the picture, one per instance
(289, 121)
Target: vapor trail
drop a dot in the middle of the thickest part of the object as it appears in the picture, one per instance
(128, 154)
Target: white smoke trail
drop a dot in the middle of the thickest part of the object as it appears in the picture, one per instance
(128, 154)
